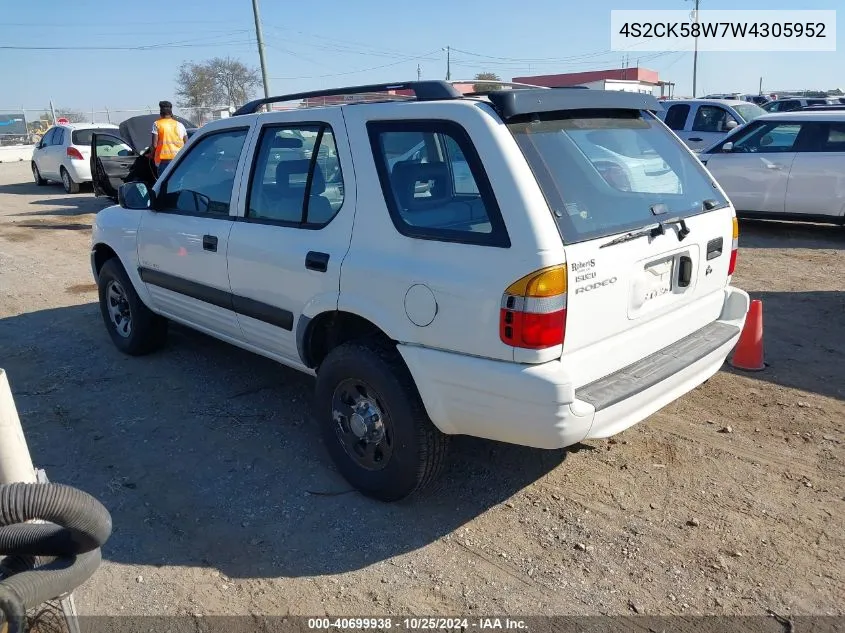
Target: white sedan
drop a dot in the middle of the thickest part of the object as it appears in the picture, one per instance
(64, 154)
(784, 166)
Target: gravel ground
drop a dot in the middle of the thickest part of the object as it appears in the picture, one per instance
(729, 501)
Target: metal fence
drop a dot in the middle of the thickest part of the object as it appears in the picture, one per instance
(24, 126)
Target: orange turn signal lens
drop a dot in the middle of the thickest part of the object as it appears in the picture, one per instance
(547, 282)
(736, 228)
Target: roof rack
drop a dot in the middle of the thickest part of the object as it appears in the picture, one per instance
(423, 91)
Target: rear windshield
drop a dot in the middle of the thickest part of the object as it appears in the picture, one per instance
(749, 111)
(83, 137)
(608, 171)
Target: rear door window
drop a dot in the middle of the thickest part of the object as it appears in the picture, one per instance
(291, 185)
(676, 116)
(710, 118)
(607, 171)
(58, 137)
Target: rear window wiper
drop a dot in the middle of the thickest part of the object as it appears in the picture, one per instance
(633, 235)
(652, 232)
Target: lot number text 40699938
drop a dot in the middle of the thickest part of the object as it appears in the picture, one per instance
(416, 624)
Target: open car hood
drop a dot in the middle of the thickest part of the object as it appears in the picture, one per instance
(137, 130)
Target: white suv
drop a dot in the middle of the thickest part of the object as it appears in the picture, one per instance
(64, 154)
(571, 292)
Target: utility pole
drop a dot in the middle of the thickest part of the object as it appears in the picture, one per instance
(695, 55)
(419, 72)
(761, 87)
(260, 37)
(448, 50)
(53, 111)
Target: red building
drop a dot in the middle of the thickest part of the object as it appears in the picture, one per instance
(633, 79)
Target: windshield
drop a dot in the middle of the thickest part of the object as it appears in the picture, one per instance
(608, 171)
(749, 111)
(83, 137)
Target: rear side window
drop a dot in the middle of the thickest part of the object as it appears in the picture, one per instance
(58, 136)
(434, 183)
(676, 116)
(296, 179)
(607, 171)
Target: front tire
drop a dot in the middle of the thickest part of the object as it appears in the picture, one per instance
(374, 424)
(36, 175)
(134, 328)
(68, 182)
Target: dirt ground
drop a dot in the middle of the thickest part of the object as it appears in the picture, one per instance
(729, 501)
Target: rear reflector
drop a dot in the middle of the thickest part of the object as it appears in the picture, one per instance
(734, 247)
(74, 154)
(533, 311)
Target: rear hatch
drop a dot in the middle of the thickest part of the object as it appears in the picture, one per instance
(647, 234)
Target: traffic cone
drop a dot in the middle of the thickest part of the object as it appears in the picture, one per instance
(748, 353)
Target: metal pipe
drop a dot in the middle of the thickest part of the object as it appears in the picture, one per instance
(15, 461)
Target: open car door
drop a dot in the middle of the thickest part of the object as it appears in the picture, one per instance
(112, 162)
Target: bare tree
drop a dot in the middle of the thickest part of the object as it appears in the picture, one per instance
(235, 79)
(197, 89)
(74, 116)
(215, 82)
(485, 87)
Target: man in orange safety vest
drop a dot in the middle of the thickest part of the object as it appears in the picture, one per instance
(169, 136)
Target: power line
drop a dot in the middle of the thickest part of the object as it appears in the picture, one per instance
(362, 70)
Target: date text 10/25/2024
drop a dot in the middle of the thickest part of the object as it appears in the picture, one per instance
(416, 624)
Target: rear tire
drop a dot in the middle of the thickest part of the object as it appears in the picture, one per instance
(134, 328)
(68, 183)
(413, 451)
(36, 175)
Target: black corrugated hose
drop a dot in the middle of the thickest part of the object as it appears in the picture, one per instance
(42, 561)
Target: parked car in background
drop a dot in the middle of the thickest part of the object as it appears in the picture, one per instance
(702, 122)
(784, 166)
(833, 107)
(122, 154)
(790, 104)
(63, 154)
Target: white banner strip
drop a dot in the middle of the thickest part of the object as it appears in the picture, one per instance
(717, 30)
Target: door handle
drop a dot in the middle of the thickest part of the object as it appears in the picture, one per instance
(317, 261)
(209, 243)
(696, 139)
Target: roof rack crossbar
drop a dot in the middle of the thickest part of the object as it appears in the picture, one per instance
(423, 91)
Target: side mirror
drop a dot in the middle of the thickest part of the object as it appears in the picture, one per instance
(728, 147)
(135, 195)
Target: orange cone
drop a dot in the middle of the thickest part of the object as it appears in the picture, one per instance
(748, 353)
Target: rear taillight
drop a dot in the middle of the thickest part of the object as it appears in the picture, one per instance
(533, 313)
(734, 247)
(74, 154)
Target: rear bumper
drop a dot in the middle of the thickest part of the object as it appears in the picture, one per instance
(537, 405)
(79, 170)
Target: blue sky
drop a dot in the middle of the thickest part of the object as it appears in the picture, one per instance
(326, 43)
